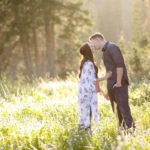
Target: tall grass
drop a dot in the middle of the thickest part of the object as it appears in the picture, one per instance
(43, 115)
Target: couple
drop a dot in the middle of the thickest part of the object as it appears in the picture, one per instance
(117, 83)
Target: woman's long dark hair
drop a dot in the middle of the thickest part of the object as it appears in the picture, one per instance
(86, 52)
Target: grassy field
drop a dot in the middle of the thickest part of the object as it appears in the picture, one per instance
(43, 115)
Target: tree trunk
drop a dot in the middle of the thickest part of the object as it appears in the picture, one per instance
(36, 52)
(27, 55)
(13, 65)
(50, 48)
(5, 55)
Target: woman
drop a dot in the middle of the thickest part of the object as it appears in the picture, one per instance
(87, 94)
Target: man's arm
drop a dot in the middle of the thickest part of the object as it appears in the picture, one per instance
(119, 62)
(119, 77)
(107, 75)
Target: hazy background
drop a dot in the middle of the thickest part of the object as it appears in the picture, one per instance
(42, 38)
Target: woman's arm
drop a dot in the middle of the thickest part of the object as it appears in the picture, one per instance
(104, 94)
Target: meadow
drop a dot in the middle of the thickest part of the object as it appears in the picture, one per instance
(43, 115)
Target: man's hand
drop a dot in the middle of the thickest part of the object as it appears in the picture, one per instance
(117, 85)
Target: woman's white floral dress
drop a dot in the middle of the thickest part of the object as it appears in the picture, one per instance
(87, 95)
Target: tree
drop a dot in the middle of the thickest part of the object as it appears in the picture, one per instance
(76, 20)
(25, 25)
(137, 50)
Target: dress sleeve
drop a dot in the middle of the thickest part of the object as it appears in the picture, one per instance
(88, 77)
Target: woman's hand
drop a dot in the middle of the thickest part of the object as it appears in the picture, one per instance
(106, 96)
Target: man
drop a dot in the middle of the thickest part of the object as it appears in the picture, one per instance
(117, 84)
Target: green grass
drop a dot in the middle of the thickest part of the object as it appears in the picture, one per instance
(43, 115)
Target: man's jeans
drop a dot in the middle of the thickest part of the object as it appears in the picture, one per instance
(119, 95)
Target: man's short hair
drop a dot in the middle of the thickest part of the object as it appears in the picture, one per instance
(97, 35)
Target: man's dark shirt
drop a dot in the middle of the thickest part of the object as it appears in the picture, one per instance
(112, 59)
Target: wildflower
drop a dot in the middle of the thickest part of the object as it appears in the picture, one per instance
(67, 141)
(12, 145)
